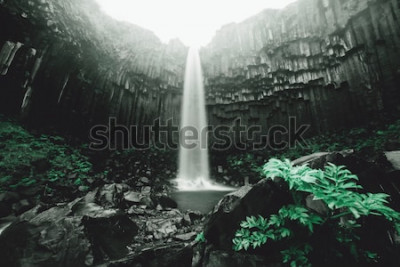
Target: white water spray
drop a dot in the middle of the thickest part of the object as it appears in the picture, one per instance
(193, 172)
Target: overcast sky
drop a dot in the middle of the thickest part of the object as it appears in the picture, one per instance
(193, 21)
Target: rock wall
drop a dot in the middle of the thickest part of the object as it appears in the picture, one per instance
(66, 63)
(329, 63)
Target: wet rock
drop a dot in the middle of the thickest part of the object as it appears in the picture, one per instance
(186, 237)
(146, 190)
(195, 215)
(264, 198)
(166, 202)
(71, 234)
(316, 205)
(173, 213)
(136, 211)
(394, 158)
(320, 159)
(316, 157)
(147, 202)
(161, 228)
(5, 222)
(133, 197)
(171, 255)
(47, 239)
(111, 195)
(392, 145)
(186, 220)
(110, 234)
(144, 180)
(21, 206)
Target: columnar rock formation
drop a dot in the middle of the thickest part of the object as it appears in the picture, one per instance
(67, 62)
(330, 63)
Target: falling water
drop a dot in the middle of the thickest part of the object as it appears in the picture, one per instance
(193, 162)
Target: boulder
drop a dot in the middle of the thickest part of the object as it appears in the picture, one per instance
(166, 202)
(194, 215)
(50, 238)
(186, 237)
(132, 197)
(111, 195)
(316, 205)
(320, 159)
(377, 171)
(264, 198)
(394, 158)
(71, 234)
(110, 233)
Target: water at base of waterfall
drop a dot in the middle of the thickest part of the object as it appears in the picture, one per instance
(199, 184)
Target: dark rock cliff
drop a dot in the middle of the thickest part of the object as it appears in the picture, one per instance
(329, 63)
(66, 63)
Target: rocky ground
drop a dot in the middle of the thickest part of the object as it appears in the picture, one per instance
(119, 225)
(113, 225)
(118, 212)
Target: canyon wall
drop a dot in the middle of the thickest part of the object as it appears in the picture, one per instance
(330, 63)
(65, 63)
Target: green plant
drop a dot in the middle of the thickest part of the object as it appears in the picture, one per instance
(200, 237)
(29, 160)
(297, 256)
(244, 165)
(337, 188)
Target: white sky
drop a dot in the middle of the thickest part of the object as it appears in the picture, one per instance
(194, 22)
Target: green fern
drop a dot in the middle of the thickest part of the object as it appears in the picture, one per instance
(336, 186)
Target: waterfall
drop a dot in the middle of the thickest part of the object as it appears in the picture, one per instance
(193, 171)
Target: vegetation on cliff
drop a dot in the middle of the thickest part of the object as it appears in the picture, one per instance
(369, 139)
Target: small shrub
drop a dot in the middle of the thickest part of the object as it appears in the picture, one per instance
(21, 149)
(200, 237)
(337, 187)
